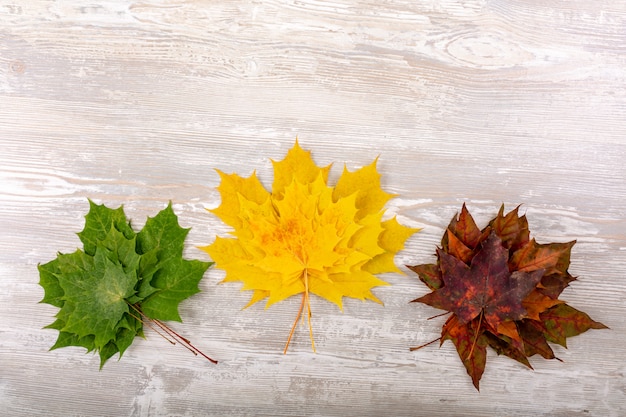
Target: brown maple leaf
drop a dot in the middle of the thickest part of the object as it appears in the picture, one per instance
(486, 287)
(502, 289)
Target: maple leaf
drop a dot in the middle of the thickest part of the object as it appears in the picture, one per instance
(502, 289)
(486, 287)
(120, 281)
(306, 237)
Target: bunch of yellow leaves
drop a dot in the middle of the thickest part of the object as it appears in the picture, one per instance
(305, 236)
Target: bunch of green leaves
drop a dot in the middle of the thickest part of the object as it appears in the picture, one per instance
(120, 281)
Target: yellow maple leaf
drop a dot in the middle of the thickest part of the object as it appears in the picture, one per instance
(305, 236)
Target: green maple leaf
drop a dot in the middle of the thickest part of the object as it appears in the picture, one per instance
(97, 296)
(172, 278)
(120, 279)
(99, 222)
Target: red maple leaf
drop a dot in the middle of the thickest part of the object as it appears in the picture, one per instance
(502, 289)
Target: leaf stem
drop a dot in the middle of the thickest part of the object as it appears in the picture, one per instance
(295, 322)
(308, 306)
(185, 342)
(170, 332)
(149, 324)
(477, 332)
(305, 300)
(424, 345)
(439, 315)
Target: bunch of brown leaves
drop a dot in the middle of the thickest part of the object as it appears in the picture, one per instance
(502, 289)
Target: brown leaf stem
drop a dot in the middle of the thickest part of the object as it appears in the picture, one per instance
(439, 315)
(424, 345)
(149, 324)
(169, 331)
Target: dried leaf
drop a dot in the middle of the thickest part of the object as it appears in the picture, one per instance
(429, 274)
(563, 321)
(465, 229)
(485, 287)
(553, 257)
(471, 345)
(502, 289)
(512, 229)
(536, 302)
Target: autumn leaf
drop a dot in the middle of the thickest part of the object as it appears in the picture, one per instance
(120, 281)
(502, 290)
(485, 288)
(306, 237)
(470, 343)
(563, 321)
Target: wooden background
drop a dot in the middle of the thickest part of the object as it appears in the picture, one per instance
(484, 102)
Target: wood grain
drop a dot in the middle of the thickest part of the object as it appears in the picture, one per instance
(483, 102)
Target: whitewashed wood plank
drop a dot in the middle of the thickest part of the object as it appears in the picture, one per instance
(484, 102)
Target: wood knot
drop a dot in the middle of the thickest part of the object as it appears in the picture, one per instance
(17, 66)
